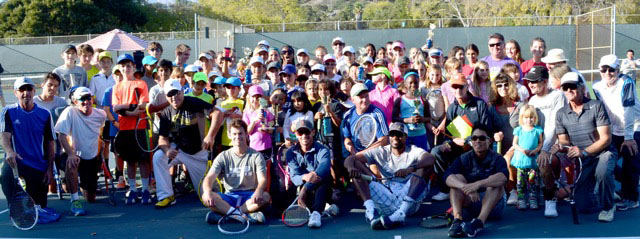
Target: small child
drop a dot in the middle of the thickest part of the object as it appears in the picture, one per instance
(513, 71)
(300, 109)
(232, 107)
(259, 120)
(527, 142)
(438, 104)
(277, 99)
(410, 110)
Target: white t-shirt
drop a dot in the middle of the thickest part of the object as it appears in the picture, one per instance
(99, 84)
(84, 130)
(388, 163)
(614, 98)
(549, 105)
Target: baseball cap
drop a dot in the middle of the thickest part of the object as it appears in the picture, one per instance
(256, 59)
(367, 59)
(234, 81)
(337, 39)
(214, 72)
(22, 81)
(257, 50)
(256, 90)
(357, 89)
(397, 44)
(349, 49)
(328, 57)
(80, 92)
(264, 42)
(554, 56)
(149, 60)
(381, 70)
(171, 84)
(609, 60)
(273, 64)
(318, 67)
(404, 60)
(537, 73)
(219, 80)
(104, 54)
(288, 69)
(300, 124)
(69, 47)
(435, 52)
(380, 62)
(570, 78)
(191, 68)
(397, 126)
(199, 76)
(302, 50)
(116, 68)
(124, 58)
(458, 79)
(205, 55)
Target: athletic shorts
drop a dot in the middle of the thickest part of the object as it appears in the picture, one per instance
(388, 201)
(106, 130)
(236, 198)
(87, 170)
(474, 208)
(129, 143)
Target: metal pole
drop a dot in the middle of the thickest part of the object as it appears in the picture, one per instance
(592, 42)
(195, 32)
(613, 29)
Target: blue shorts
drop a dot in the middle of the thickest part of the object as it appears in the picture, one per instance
(421, 141)
(237, 198)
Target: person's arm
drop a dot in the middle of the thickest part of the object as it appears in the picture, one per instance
(516, 146)
(550, 128)
(323, 169)
(251, 124)
(217, 120)
(294, 168)
(604, 133)
(209, 179)
(261, 175)
(539, 147)
(336, 117)
(286, 127)
(628, 103)
(493, 181)
(380, 142)
(350, 162)
(395, 113)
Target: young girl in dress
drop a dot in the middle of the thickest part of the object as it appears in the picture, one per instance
(410, 110)
(438, 104)
(301, 110)
(527, 142)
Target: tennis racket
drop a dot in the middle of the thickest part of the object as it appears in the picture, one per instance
(233, 223)
(200, 190)
(22, 209)
(295, 215)
(572, 202)
(436, 221)
(364, 131)
(108, 184)
(56, 176)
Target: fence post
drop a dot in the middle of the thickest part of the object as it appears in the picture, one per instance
(388, 23)
(338, 25)
(283, 27)
(241, 28)
(495, 21)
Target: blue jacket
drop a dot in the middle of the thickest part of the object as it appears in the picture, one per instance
(318, 160)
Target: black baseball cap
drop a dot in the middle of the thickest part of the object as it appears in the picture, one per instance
(69, 47)
(537, 73)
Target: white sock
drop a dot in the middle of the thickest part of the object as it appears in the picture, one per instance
(369, 205)
(132, 183)
(406, 204)
(145, 184)
(74, 196)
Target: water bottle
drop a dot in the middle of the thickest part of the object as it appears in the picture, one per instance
(361, 74)
(326, 126)
(247, 76)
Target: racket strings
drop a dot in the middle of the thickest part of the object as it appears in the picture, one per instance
(22, 211)
(295, 215)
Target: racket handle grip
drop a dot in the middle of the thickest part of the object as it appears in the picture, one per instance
(367, 177)
(574, 212)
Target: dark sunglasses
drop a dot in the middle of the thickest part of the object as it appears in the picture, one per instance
(85, 98)
(329, 64)
(495, 44)
(286, 52)
(457, 87)
(25, 88)
(154, 49)
(303, 131)
(505, 85)
(396, 134)
(607, 69)
(570, 86)
(172, 93)
(481, 138)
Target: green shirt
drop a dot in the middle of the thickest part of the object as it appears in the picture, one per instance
(92, 72)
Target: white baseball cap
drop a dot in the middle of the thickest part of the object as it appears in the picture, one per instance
(205, 55)
(609, 60)
(337, 39)
(264, 42)
(255, 59)
(171, 84)
(22, 81)
(349, 49)
(191, 68)
(302, 50)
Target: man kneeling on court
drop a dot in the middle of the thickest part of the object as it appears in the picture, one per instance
(184, 121)
(476, 179)
(403, 168)
(244, 176)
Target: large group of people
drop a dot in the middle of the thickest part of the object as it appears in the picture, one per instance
(483, 133)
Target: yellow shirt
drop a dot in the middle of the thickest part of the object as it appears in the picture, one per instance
(230, 104)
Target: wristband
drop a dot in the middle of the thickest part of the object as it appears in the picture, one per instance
(584, 153)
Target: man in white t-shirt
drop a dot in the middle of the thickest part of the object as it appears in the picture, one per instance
(404, 166)
(83, 124)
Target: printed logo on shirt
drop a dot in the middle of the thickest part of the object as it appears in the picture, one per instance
(472, 109)
(16, 122)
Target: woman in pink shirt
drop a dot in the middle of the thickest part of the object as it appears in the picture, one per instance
(383, 95)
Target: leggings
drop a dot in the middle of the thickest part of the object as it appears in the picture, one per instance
(528, 179)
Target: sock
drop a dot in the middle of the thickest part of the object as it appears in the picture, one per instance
(74, 196)
(369, 205)
(406, 204)
(145, 184)
(132, 183)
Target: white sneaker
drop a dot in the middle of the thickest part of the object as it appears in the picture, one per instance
(315, 220)
(331, 210)
(607, 216)
(513, 198)
(369, 214)
(440, 196)
(550, 208)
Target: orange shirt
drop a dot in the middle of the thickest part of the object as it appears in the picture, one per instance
(124, 93)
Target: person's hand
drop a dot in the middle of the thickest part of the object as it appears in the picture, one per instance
(327, 109)
(208, 142)
(207, 199)
(446, 147)
(459, 141)
(403, 172)
(301, 196)
(416, 119)
(573, 152)
(475, 197)
(227, 113)
(631, 146)
(527, 152)
(556, 148)
(72, 161)
(172, 153)
(544, 159)
(260, 118)
(311, 177)
(11, 159)
(354, 172)
(116, 124)
(48, 176)
(258, 198)
(318, 115)
(435, 130)
(498, 136)
(470, 188)
(288, 143)
(441, 128)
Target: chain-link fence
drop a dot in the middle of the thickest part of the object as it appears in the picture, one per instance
(595, 37)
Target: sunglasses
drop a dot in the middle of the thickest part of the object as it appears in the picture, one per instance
(396, 134)
(329, 64)
(481, 138)
(505, 85)
(286, 52)
(25, 88)
(457, 87)
(303, 131)
(338, 44)
(154, 49)
(85, 98)
(495, 44)
(172, 93)
(567, 87)
(607, 69)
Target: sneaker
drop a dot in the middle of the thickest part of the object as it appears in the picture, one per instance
(256, 217)
(314, 220)
(440, 196)
(146, 197)
(550, 208)
(166, 202)
(473, 227)
(513, 198)
(607, 215)
(369, 215)
(385, 223)
(131, 198)
(76, 208)
(626, 205)
(522, 204)
(122, 184)
(212, 217)
(331, 210)
(45, 216)
(456, 228)
(533, 203)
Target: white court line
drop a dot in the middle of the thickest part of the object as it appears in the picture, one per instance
(3, 211)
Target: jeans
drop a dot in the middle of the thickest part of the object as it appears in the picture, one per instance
(628, 175)
(36, 188)
(443, 161)
(596, 178)
(318, 196)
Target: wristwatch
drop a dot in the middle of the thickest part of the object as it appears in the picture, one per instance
(584, 153)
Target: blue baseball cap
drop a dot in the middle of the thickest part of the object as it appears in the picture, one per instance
(288, 69)
(124, 57)
(220, 80)
(149, 60)
(234, 81)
